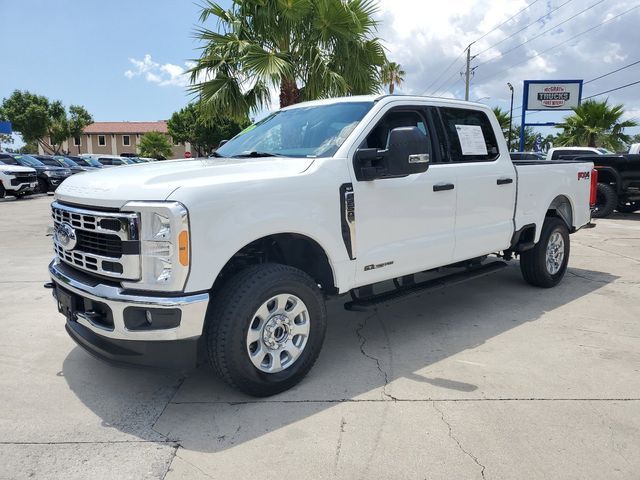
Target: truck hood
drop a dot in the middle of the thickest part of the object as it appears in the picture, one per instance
(113, 187)
(15, 169)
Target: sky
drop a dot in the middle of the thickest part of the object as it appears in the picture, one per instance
(123, 60)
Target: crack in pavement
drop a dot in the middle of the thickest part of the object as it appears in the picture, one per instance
(452, 436)
(338, 446)
(363, 341)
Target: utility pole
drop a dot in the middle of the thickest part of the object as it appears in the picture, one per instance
(468, 72)
(510, 114)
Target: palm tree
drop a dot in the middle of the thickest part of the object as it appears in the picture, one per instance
(306, 49)
(595, 124)
(155, 145)
(393, 75)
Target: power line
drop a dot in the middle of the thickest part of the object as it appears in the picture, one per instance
(612, 72)
(447, 82)
(525, 27)
(478, 39)
(509, 19)
(444, 71)
(612, 90)
(543, 33)
(564, 42)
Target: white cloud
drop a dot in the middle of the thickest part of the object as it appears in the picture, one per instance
(166, 74)
(426, 36)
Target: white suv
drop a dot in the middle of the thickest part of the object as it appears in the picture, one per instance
(17, 181)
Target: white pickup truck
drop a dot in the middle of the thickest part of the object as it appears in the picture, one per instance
(16, 180)
(232, 258)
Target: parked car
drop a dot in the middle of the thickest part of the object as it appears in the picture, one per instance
(49, 177)
(527, 156)
(236, 255)
(618, 183)
(57, 161)
(16, 180)
(635, 149)
(75, 167)
(109, 160)
(85, 161)
(569, 153)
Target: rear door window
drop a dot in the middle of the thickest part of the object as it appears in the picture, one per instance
(469, 135)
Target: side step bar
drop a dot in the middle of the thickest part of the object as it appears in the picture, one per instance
(403, 291)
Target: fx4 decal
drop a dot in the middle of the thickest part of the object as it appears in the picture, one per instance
(584, 175)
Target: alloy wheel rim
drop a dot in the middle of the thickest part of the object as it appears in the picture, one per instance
(278, 333)
(555, 253)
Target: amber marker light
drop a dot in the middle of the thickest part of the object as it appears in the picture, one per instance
(183, 248)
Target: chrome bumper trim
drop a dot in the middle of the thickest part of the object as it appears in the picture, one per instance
(193, 308)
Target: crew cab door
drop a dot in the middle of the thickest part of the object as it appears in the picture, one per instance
(486, 183)
(404, 224)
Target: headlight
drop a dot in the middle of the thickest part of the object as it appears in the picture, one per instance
(164, 245)
(8, 173)
(49, 173)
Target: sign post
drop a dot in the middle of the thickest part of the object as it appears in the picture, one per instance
(540, 95)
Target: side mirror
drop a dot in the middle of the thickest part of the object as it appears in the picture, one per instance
(222, 142)
(408, 152)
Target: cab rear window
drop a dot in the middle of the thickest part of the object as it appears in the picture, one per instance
(470, 135)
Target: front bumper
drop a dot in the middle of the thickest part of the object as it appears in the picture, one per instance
(21, 188)
(102, 312)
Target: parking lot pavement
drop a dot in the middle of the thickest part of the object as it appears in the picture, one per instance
(491, 379)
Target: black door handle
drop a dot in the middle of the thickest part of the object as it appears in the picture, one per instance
(504, 181)
(440, 187)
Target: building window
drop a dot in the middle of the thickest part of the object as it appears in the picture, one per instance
(173, 140)
(102, 141)
(76, 141)
(126, 140)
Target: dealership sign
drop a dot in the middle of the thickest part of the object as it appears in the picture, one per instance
(552, 95)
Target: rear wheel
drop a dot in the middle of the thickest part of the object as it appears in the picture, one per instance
(2, 190)
(266, 328)
(606, 201)
(546, 263)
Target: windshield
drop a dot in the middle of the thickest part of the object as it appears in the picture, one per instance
(604, 151)
(32, 162)
(300, 132)
(91, 162)
(67, 162)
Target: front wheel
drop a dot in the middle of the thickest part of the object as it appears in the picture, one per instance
(42, 186)
(265, 329)
(546, 263)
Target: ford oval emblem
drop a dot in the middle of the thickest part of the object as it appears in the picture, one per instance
(66, 237)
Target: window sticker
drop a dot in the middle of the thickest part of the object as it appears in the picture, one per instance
(471, 140)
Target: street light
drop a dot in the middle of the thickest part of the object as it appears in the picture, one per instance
(510, 114)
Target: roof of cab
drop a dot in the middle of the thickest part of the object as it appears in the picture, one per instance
(376, 98)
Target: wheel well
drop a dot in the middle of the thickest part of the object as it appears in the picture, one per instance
(605, 176)
(561, 208)
(290, 249)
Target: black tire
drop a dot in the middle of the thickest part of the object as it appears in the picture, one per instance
(628, 207)
(233, 310)
(533, 264)
(42, 186)
(606, 201)
(2, 190)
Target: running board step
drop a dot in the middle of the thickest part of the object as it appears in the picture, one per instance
(362, 304)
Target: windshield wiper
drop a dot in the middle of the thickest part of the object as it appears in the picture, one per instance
(255, 154)
(215, 154)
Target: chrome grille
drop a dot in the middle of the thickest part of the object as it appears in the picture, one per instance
(106, 243)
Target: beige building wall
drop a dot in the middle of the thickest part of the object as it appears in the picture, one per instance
(115, 144)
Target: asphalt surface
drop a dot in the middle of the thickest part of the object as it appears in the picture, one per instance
(491, 379)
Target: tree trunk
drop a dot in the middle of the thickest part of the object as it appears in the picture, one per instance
(392, 87)
(289, 92)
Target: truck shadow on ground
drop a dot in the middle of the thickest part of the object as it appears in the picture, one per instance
(380, 356)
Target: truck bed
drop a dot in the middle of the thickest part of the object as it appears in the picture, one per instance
(543, 182)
